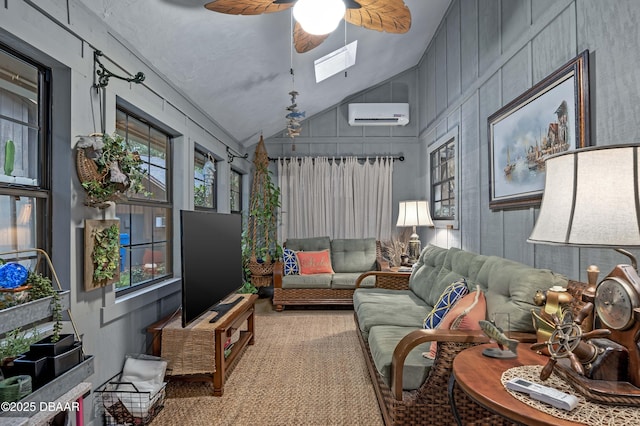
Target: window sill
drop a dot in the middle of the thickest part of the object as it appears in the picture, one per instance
(135, 300)
(445, 224)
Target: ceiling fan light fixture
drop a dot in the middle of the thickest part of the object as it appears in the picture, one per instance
(319, 17)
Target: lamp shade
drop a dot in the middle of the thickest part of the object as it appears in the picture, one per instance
(591, 199)
(319, 17)
(414, 213)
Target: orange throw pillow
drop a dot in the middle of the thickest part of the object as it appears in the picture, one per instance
(464, 315)
(314, 262)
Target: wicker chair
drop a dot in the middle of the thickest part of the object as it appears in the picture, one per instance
(430, 404)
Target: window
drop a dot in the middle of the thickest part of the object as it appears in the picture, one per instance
(443, 166)
(204, 180)
(24, 146)
(146, 218)
(236, 191)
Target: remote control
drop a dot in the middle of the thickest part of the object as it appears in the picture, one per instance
(545, 394)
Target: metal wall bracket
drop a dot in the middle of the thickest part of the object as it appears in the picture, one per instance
(231, 156)
(104, 74)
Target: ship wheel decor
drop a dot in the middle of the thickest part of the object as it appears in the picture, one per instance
(263, 204)
(391, 16)
(569, 341)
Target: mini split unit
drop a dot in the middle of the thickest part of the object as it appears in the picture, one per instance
(378, 114)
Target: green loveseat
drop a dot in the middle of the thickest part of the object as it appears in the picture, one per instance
(349, 259)
(411, 388)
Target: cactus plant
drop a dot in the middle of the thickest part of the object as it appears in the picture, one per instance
(9, 157)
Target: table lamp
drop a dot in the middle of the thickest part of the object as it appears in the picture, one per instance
(414, 213)
(591, 199)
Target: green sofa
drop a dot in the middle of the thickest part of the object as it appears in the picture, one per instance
(349, 259)
(411, 388)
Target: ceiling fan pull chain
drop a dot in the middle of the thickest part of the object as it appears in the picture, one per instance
(345, 46)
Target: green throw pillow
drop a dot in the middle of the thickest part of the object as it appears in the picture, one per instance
(454, 292)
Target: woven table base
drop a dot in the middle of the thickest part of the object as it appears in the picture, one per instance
(586, 412)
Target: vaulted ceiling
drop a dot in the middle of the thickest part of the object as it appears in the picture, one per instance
(236, 68)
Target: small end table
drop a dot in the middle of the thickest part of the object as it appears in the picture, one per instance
(480, 378)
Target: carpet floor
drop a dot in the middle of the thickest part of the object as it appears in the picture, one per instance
(306, 368)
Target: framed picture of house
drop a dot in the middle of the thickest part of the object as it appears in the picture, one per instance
(549, 118)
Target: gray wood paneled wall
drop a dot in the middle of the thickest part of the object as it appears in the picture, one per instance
(485, 54)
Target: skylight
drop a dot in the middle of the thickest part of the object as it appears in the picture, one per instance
(336, 61)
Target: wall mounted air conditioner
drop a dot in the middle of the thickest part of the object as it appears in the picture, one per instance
(378, 114)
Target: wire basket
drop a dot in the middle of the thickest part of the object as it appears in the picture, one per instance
(122, 404)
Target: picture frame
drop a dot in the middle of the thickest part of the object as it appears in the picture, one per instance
(549, 118)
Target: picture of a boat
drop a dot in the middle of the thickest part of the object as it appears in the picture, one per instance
(510, 165)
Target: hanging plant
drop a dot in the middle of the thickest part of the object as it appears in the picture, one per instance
(108, 169)
(106, 253)
(261, 245)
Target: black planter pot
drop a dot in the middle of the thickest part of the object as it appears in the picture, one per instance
(265, 292)
(43, 369)
(33, 365)
(65, 361)
(45, 347)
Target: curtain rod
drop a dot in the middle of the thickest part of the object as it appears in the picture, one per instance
(371, 157)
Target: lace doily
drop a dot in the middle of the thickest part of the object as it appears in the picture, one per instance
(586, 412)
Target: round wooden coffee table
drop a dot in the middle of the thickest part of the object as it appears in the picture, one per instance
(479, 377)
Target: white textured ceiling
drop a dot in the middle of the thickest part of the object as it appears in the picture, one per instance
(236, 68)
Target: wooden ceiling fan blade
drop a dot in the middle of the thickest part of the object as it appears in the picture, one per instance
(304, 42)
(248, 7)
(391, 16)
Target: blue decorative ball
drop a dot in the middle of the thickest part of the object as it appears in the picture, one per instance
(13, 275)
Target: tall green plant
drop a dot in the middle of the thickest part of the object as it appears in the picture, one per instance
(264, 206)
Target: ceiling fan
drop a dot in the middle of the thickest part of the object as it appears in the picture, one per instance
(392, 16)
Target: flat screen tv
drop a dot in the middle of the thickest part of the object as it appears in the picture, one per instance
(211, 260)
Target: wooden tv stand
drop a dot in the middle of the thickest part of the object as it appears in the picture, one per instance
(216, 368)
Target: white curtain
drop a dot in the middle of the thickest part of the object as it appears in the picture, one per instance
(338, 197)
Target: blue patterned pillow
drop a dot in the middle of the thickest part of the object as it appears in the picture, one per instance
(290, 262)
(454, 292)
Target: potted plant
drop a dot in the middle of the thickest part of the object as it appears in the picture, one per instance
(16, 342)
(46, 357)
(260, 245)
(108, 168)
(41, 287)
(56, 346)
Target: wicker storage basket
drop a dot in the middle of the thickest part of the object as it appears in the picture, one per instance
(257, 268)
(261, 280)
(86, 167)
